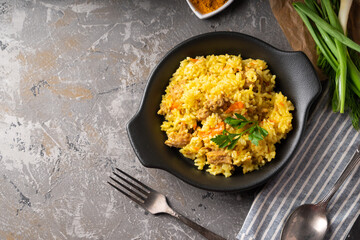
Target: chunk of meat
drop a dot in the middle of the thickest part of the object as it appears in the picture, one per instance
(214, 104)
(217, 157)
(177, 90)
(203, 113)
(178, 139)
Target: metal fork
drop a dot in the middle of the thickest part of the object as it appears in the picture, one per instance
(153, 201)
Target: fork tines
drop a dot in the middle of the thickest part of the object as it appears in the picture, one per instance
(129, 186)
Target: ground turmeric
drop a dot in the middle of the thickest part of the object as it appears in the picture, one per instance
(206, 6)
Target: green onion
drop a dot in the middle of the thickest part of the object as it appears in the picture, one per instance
(326, 26)
(323, 48)
(340, 64)
(341, 53)
(344, 10)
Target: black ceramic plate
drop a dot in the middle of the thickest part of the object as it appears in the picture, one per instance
(296, 79)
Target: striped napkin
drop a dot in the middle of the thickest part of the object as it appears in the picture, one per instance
(323, 153)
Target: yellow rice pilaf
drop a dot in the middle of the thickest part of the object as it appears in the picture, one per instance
(204, 91)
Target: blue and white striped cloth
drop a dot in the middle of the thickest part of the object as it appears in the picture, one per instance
(323, 153)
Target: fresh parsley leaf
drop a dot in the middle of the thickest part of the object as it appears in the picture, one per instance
(226, 140)
(233, 143)
(257, 134)
(243, 124)
(229, 140)
(263, 132)
(221, 140)
(240, 122)
(239, 116)
(232, 121)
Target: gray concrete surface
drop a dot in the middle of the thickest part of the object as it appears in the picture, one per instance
(72, 74)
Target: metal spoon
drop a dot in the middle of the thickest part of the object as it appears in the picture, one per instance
(309, 221)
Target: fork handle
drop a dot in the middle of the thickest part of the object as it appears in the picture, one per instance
(203, 231)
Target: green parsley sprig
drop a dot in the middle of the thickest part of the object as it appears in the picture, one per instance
(229, 140)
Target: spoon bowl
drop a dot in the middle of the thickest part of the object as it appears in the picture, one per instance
(308, 221)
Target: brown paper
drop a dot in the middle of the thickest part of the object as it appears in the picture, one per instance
(297, 33)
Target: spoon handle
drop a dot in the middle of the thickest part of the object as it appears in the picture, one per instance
(355, 159)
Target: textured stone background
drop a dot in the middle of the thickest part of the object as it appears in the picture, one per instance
(72, 74)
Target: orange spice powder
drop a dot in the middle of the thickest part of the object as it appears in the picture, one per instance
(206, 6)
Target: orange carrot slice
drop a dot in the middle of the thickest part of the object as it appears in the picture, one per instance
(235, 106)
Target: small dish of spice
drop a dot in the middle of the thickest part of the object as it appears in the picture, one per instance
(208, 8)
